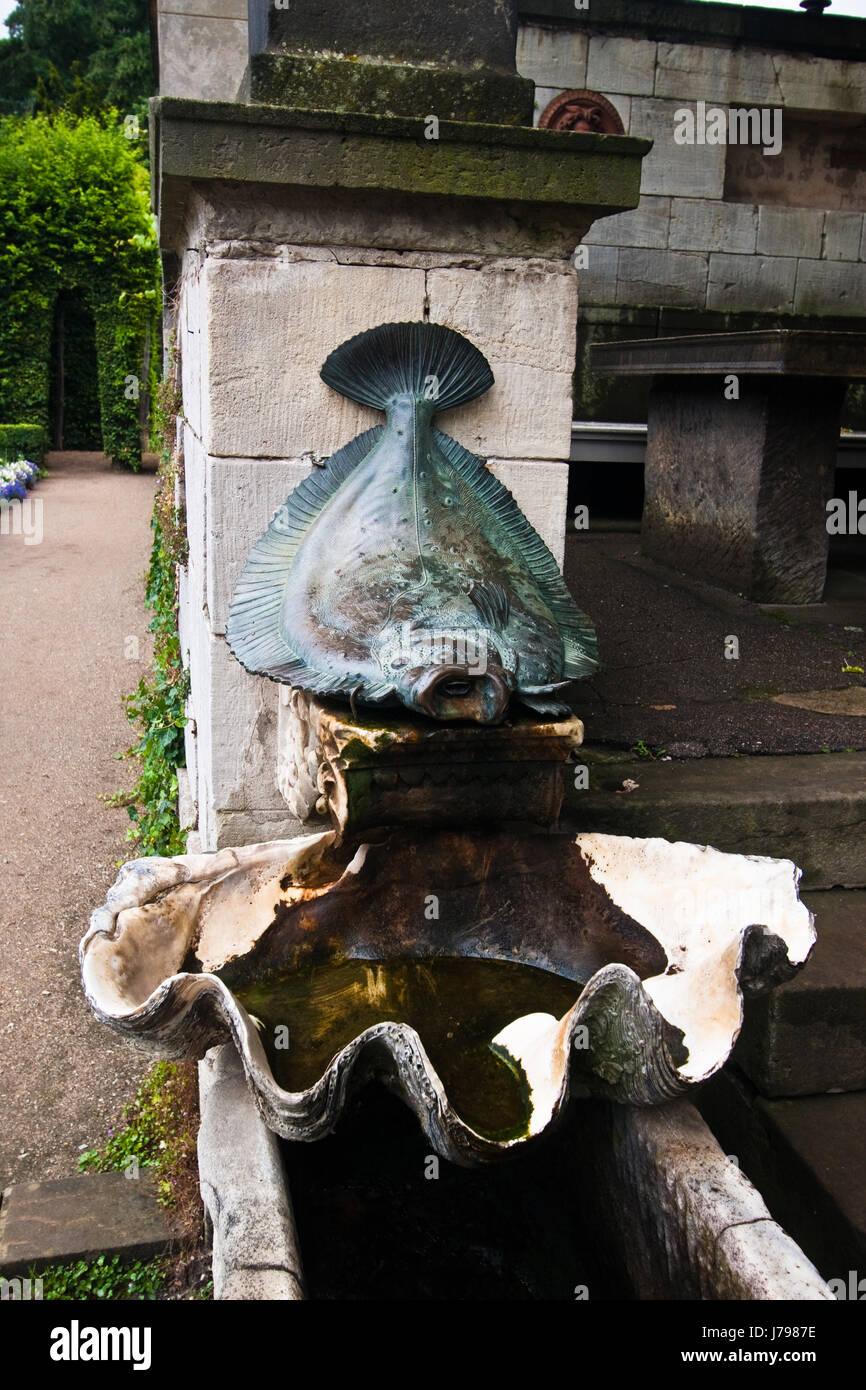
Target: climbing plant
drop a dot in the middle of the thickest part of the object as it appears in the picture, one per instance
(157, 708)
(75, 218)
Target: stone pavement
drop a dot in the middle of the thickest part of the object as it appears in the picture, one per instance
(68, 606)
(666, 680)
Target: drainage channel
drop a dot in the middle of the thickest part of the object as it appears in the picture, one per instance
(379, 1216)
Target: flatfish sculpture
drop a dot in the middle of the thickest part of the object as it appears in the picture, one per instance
(402, 571)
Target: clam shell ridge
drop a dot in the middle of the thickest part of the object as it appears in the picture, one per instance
(621, 1038)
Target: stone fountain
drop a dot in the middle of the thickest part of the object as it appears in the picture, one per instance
(441, 937)
(382, 667)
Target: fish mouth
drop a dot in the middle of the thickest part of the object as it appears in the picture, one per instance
(460, 692)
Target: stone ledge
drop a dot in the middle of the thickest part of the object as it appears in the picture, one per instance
(591, 175)
(808, 1036)
(807, 807)
(823, 36)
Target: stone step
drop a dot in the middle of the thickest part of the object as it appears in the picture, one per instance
(80, 1218)
(807, 1158)
(809, 1036)
(807, 807)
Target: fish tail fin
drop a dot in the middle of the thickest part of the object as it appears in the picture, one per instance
(426, 360)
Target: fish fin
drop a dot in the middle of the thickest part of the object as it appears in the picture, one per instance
(551, 708)
(253, 628)
(580, 645)
(492, 604)
(426, 360)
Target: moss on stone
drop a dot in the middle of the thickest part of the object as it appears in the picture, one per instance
(325, 149)
(389, 89)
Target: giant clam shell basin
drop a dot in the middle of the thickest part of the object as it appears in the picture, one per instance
(485, 977)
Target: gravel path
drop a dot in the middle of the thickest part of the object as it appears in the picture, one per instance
(67, 604)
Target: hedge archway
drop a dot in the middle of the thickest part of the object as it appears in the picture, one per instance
(75, 218)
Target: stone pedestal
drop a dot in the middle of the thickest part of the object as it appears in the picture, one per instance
(742, 435)
(286, 231)
(372, 771)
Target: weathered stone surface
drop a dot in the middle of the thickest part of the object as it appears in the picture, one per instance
(229, 828)
(809, 809)
(449, 35)
(679, 1216)
(821, 84)
(693, 72)
(661, 277)
(648, 225)
(190, 344)
(201, 56)
(807, 1158)
(525, 324)
(738, 495)
(842, 233)
(751, 282)
(789, 231)
(830, 287)
(243, 1185)
(242, 496)
(704, 224)
(194, 486)
(689, 171)
(344, 84)
(598, 282)
(540, 489)
(364, 227)
(269, 328)
(215, 9)
(809, 1035)
(528, 168)
(553, 58)
(621, 65)
(43, 1223)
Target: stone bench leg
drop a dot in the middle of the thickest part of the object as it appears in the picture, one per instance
(736, 490)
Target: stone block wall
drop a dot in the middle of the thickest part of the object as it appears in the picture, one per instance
(202, 48)
(685, 245)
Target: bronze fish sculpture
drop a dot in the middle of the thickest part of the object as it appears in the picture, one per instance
(402, 571)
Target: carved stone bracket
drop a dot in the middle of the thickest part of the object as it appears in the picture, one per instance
(365, 771)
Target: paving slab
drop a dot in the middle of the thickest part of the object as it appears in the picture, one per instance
(44, 1223)
(811, 809)
(808, 1036)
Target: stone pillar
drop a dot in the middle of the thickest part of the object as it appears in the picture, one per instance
(286, 230)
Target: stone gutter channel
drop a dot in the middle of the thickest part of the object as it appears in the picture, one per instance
(674, 1212)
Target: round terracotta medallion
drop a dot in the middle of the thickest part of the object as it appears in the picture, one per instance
(584, 111)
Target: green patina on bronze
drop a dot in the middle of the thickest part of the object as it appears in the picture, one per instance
(403, 572)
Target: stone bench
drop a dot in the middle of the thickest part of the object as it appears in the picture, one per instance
(742, 434)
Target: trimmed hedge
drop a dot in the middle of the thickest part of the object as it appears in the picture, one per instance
(23, 442)
(75, 219)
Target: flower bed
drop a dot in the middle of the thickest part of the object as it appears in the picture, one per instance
(16, 478)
